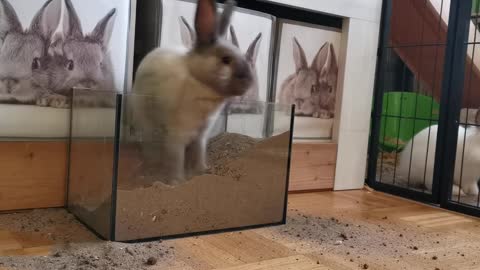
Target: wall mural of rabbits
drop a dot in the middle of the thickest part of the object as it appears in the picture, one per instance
(241, 104)
(40, 65)
(79, 60)
(23, 53)
(312, 88)
(306, 73)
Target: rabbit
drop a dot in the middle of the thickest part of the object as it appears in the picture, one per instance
(241, 104)
(183, 94)
(244, 103)
(421, 166)
(79, 61)
(312, 89)
(23, 53)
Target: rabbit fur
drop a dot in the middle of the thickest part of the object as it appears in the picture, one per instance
(245, 103)
(186, 92)
(312, 88)
(82, 61)
(466, 175)
(23, 53)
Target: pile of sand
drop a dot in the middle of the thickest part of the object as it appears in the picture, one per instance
(245, 185)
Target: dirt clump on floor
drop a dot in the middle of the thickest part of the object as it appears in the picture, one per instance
(75, 247)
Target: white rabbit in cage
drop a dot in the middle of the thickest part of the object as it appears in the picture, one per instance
(420, 164)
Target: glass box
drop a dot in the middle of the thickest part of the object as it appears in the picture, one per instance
(115, 180)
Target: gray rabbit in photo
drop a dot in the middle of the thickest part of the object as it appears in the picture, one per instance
(82, 61)
(245, 103)
(23, 53)
(312, 88)
(184, 93)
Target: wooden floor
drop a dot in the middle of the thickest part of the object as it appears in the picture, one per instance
(329, 230)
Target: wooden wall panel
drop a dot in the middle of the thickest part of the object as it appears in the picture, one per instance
(416, 23)
(313, 166)
(33, 174)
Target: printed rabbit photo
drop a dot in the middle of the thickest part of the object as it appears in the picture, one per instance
(418, 168)
(78, 60)
(188, 91)
(312, 88)
(23, 58)
(245, 103)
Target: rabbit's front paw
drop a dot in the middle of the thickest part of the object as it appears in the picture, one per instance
(54, 100)
(323, 114)
(456, 190)
(472, 189)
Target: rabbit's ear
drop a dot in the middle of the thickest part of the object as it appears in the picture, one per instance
(299, 56)
(226, 17)
(332, 61)
(71, 23)
(103, 31)
(47, 19)
(8, 20)
(253, 49)
(325, 62)
(186, 32)
(233, 35)
(206, 22)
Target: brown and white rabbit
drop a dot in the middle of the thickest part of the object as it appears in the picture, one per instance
(247, 102)
(23, 52)
(417, 163)
(312, 88)
(78, 60)
(184, 93)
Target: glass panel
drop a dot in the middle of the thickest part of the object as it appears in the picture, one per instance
(244, 183)
(91, 158)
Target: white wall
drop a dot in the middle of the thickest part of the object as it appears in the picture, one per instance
(367, 10)
(361, 25)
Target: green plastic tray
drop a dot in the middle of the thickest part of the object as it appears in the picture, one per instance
(404, 114)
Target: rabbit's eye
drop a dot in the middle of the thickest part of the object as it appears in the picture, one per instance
(70, 65)
(36, 63)
(227, 60)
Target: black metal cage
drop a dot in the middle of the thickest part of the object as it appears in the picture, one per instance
(425, 127)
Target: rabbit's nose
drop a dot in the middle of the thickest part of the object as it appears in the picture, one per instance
(10, 82)
(88, 84)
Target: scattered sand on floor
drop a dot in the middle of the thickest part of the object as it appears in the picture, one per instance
(75, 247)
(338, 241)
(342, 241)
